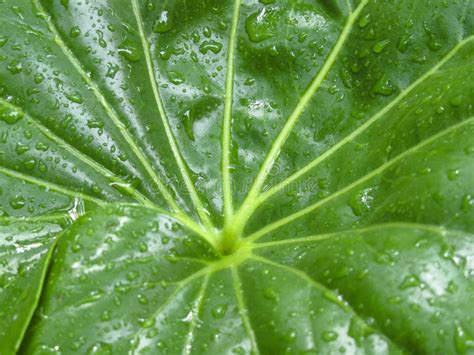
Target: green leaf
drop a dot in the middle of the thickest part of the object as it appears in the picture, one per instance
(25, 250)
(218, 176)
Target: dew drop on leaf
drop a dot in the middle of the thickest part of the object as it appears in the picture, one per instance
(75, 32)
(210, 45)
(3, 41)
(410, 281)
(130, 51)
(219, 311)
(467, 203)
(329, 335)
(75, 97)
(163, 23)
(383, 86)
(262, 25)
(17, 202)
(15, 67)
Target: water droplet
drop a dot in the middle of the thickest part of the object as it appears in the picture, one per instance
(433, 43)
(380, 46)
(163, 23)
(150, 6)
(364, 21)
(383, 86)
(456, 101)
(3, 41)
(75, 32)
(329, 335)
(210, 45)
(17, 202)
(219, 311)
(262, 25)
(142, 299)
(39, 78)
(102, 42)
(95, 124)
(404, 43)
(74, 97)
(410, 281)
(360, 202)
(14, 67)
(21, 148)
(143, 247)
(270, 294)
(467, 203)
(453, 174)
(42, 146)
(188, 120)
(175, 77)
(146, 322)
(129, 51)
(105, 316)
(100, 348)
(10, 114)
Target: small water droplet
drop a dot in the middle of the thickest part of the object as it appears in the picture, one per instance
(329, 335)
(219, 311)
(410, 281)
(75, 97)
(380, 46)
(75, 32)
(3, 41)
(467, 203)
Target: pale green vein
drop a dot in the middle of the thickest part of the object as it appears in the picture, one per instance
(172, 297)
(227, 124)
(50, 186)
(243, 311)
(182, 218)
(315, 238)
(81, 156)
(107, 107)
(362, 128)
(38, 292)
(187, 348)
(275, 225)
(300, 107)
(203, 214)
(302, 275)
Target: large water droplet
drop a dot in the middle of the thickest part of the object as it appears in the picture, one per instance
(10, 115)
(210, 45)
(262, 25)
(383, 86)
(129, 51)
(163, 23)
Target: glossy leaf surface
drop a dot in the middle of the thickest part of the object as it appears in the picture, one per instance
(210, 177)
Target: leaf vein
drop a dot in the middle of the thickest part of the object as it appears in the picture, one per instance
(275, 225)
(169, 134)
(107, 107)
(227, 124)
